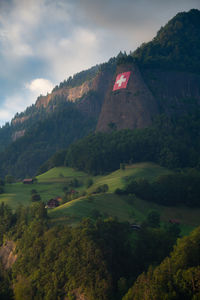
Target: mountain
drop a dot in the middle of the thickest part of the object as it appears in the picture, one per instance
(164, 79)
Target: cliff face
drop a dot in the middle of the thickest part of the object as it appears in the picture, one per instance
(92, 102)
(175, 92)
(7, 255)
(132, 107)
(70, 94)
(148, 93)
(17, 134)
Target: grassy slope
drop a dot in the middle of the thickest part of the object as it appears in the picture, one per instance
(140, 170)
(51, 183)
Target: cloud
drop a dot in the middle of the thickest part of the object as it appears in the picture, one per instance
(68, 55)
(25, 97)
(12, 105)
(132, 21)
(40, 86)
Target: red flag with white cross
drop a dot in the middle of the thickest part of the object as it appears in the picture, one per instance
(121, 81)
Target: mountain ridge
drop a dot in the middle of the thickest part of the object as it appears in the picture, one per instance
(161, 83)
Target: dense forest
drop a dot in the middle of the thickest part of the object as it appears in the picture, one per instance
(177, 277)
(99, 258)
(172, 142)
(176, 46)
(182, 187)
(24, 156)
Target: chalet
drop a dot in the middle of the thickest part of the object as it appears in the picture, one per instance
(52, 203)
(28, 181)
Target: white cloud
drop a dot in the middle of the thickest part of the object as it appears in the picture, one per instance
(68, 55)
(24, 98)
(5, 116)
(40, 86)
(12, 105)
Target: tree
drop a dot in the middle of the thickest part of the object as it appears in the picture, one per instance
(9, 179)
(89, 182)
(35, 197)
(122, 166)
(153, 219)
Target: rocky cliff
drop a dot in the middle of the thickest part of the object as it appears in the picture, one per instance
(131, 107)
(175, 91)
(149, 92)
(7, 254)
(70, 94)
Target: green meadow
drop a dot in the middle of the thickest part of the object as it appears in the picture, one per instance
(51, 183)
(124, 208)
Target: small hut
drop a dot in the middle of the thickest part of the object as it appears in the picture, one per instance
(52, 203)
(28, 181)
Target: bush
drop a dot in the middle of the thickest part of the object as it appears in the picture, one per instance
(119, 191)
(89, 182)
(35, 197)
(33, 191)
(9, 179)
(101, 189)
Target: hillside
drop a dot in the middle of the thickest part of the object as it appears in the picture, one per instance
(51, 183)
(164, 77)
(177, 277)
(123, 207)
(176, 45)
(59, 129)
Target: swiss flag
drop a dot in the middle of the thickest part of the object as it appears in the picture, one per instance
(121, 81)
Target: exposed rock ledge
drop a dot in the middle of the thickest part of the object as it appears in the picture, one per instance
(7, 255)
(18, 134)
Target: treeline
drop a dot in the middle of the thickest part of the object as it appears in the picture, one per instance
(30, 117)
(177, 277)
(81, 77)
(171, 142)
(98, 259)
(78, 78)
(59, 129)
(172, 189)
(176, 45)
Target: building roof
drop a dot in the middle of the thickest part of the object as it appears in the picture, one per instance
(28, 180)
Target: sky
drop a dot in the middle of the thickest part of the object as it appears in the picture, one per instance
(43, 42)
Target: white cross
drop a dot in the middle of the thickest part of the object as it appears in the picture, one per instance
(121, 80)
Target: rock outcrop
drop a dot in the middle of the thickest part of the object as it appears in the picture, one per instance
(18, 134)
(70, 94)
(7, 255)
(175, 92)
(131, 107)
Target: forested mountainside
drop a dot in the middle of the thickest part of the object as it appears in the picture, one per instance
(177, 277)
(96, 260)
(172, 142)
(164, 79)
(176, 46)
(62, 127)
(86, 90)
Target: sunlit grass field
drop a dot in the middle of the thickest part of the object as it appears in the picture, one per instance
(124, 208)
